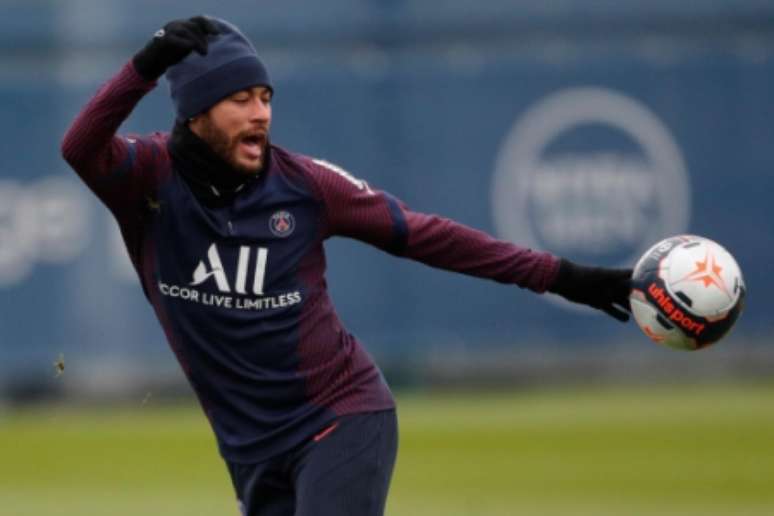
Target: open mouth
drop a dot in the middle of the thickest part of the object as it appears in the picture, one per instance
(252, 145)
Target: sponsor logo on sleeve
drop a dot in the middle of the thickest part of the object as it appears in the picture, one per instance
(359, 183)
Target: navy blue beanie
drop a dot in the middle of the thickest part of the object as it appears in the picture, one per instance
(199, 82)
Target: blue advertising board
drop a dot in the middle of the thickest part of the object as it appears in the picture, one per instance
(560, 138)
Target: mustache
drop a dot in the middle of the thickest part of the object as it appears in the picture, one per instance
(259, 132)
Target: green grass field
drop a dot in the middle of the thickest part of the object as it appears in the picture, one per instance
(696, 450)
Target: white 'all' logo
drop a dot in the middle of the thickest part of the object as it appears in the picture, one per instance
(202, 273)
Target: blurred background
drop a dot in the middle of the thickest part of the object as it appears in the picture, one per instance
(591, 129)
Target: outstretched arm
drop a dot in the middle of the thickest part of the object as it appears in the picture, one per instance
(355, 210)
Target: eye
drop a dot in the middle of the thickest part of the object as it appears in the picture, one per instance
(265, 94)
(240, 98)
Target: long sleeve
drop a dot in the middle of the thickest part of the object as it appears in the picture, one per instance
(355, 210)
(118, 169)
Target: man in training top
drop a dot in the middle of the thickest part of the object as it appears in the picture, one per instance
(226, 231)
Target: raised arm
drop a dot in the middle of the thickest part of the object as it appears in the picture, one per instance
(119, 169)
(106, 162)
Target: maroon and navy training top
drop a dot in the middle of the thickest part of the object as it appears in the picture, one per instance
(240, 289)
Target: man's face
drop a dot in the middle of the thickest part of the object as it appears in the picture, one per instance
(237, 128)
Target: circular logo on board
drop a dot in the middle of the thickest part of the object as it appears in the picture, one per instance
(282, 223)
(592, 175)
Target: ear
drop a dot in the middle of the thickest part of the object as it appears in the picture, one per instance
(195, 125)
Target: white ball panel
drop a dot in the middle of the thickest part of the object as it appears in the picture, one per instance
(706, 273)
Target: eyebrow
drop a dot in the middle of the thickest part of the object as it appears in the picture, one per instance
(256, 90)
(261, 90)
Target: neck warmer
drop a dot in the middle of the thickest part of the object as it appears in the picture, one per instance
(210, 178)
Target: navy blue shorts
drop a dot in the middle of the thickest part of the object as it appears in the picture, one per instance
(343, 470)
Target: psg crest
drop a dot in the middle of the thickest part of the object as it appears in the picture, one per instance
(282, 223)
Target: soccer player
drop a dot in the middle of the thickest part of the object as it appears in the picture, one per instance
(225, 230)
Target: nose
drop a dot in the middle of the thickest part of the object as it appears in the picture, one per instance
(260, 110)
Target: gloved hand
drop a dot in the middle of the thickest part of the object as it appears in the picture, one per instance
(172, 44)
(594, 286)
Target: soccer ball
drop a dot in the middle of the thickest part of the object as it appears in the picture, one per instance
(687, 292)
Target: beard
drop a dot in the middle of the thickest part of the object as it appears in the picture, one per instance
(226, 147)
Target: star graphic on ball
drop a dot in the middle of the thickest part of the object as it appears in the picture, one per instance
(707, 272)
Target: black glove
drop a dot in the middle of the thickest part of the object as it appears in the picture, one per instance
(172, 44)
(596, 287)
